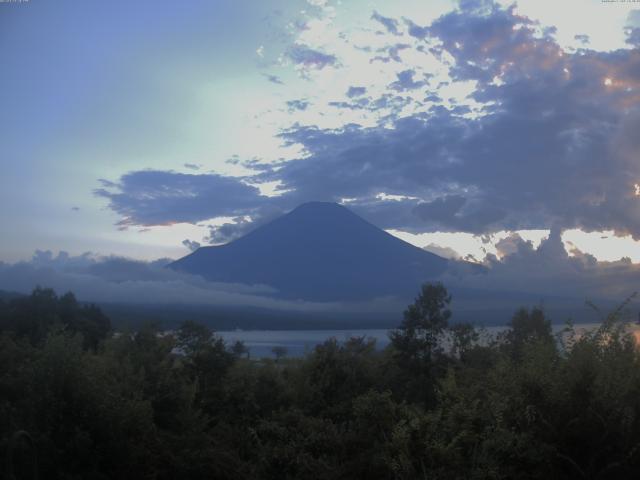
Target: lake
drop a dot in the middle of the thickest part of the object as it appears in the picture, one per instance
(299, 342)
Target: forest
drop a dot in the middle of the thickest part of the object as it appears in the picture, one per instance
(79, 400)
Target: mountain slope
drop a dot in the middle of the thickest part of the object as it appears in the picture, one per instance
(321, 252)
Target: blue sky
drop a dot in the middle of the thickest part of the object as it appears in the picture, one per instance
(130, 127)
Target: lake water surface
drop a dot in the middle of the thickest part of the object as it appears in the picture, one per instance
(299, 342)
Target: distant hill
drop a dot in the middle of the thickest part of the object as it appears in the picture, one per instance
(4, 295)
(319, 252)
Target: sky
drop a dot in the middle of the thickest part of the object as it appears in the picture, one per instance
(473, 128)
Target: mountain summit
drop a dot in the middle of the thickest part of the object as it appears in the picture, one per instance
(321, 252)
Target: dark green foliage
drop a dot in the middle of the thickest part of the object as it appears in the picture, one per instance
(416, 344)
(527, 327)
(439, 403)
(279, 352)
(34, 316)
(424, 321)
(239, 349)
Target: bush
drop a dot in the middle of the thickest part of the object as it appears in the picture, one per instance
(437, 403)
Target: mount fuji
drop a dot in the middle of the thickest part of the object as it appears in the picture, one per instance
(320, 252)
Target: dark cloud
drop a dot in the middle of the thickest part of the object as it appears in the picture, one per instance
(392, 103)
(299, 105)
(633, 37)
(192, 166)
(416, 30)
(107, 183)
(632, 28)
(356, 91)
(390, 53)
(192, 245)
(229, 231)
(553, 146)
(442, 209)
(406, 82)
(273, 79)
(155, 198)
(390, 24)
(583, 39)
(225, 233)
(445, 252)
(310, 58)
(360, 163)
(550, 270)
(355, 104)
(512, 244)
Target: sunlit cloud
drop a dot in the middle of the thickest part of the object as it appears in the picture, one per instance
(417, 126)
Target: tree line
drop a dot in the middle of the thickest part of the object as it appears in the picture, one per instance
(80, 402)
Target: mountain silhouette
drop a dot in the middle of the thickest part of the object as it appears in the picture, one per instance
(319, 252)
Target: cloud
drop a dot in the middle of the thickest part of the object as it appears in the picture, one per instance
(416, 30)
(390, 53)
(229, 231)
(545, 137)
(45, 258)
(583, 39)
(152, 197)
(443, 251)
(632, 29)
(115, 279)
(551, 271)
(273, 79)
(191, 244)
(512, 244)
(633, 36)
(356, 104)
(112, 279)
(552, 143)
(225, 233)
(308, 57)
(441, 209)
(356, 91)
(390, 24)
(299, 105)
(406, 82)
(192, 166)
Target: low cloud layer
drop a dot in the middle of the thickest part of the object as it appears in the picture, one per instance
(548, 271)
(121, 280)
